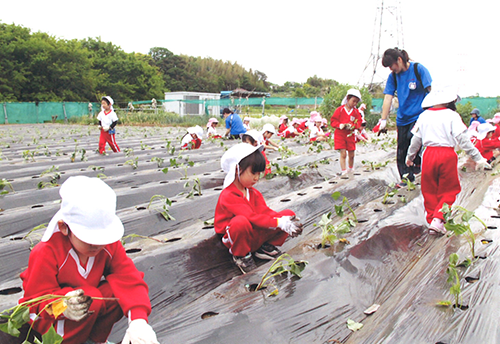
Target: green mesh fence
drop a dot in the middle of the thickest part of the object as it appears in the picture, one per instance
(22, 113)
(42, 112)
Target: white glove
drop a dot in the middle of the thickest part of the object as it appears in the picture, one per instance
(482, 165)
(348, 126)
(290, 225)
(383, 123)
(341, 126)
(78, 305)
(105, 128)
(139, 332)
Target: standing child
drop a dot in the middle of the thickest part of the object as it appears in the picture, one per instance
(107, 123)
(247, 224)
(345, 120)
(81, 256)
(192, 139)
(439, 129)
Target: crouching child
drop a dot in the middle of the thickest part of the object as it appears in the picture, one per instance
(247, 225)
(81, 257)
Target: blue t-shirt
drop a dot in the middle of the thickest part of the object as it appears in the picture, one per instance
(234, 122)
(410, 93)
(479, 119)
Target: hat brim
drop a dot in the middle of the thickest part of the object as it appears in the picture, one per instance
(231, 170)
(109, 234)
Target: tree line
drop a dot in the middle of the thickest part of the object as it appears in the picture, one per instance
(35, 66)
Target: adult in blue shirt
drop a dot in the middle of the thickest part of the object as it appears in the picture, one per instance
(410, 82)
(234, 125)
(475, 116)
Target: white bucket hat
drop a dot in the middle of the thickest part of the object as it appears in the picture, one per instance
(88, 207)
(232, 158)
(483, 129)
(110, 100)
(269, 127)
(437, 96)
(196, 130)
(351, 92)
(257, 136)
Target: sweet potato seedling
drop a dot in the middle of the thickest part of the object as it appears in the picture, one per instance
(163, 207)
(284, 264)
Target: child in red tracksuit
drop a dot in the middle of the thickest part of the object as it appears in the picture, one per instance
(486, 144)
(107, 122)
(345, 120)
(247, 225)
(80, 256)
(439, 129)
(192, 139)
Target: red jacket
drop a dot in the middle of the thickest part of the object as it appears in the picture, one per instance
(486, 147)
(232, 203)
(54, 268)
(341, 116)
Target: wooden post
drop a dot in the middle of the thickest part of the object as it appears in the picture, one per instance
(65, 117)
(5, 113)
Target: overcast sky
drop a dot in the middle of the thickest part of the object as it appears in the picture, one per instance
(458, 41)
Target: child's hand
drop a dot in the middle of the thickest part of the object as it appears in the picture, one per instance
(482, 165)
(409, 163)
(139, 332)
(78, 305)
(290, 225)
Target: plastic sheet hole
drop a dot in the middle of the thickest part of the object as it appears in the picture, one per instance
(480, 257)
(285, 200)
(10, 291)
(253, 287)
(357, 174)
(362, 221)
(134, 187)
(34, 177)
(486, 241)
(332, 182)
(37, 206)
(471, 279)
(377, 210)
(217, 189)
(173, 239)
(207, 315)
(462, 307)
(10, 180)
(492, 227)
(495, 216)
(317, 187)
(141, 208)
(207, 227)
(16, 238)
(320, 246)
(119, 165)
(207, 174)
(164, 182)
(302, 193)
(83, 169)
(133, 250)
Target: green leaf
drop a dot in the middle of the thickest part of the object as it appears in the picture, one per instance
(353, 326)
(339, 210)
(457, 228)
(453, 259)
(51, 337)
(467, 216)
(445, 303)
(336, 195)
(12, 329)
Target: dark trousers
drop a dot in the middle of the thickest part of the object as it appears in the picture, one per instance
(404, 140)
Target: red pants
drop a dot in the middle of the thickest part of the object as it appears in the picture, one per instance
(439, 180)
(110, 139)
(241, 237)
(344, 139)
(97, 326)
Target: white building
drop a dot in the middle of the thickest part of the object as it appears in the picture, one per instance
(176, 103)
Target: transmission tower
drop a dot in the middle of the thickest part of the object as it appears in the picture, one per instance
(387, 33)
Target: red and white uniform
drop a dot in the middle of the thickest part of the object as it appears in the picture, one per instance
(289, 132)
(345, 138)
(196, 143)
(314, 132)
(282, 127)
(486, 147)
(212, 133)
(54, 268)
(106, 119)
(247, 222)
(438, 129)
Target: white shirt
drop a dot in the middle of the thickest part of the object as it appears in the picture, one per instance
(211, 131)
(439, 128)
(107, 119)
(315, 131)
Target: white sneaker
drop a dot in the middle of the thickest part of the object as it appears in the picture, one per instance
(437, 225)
